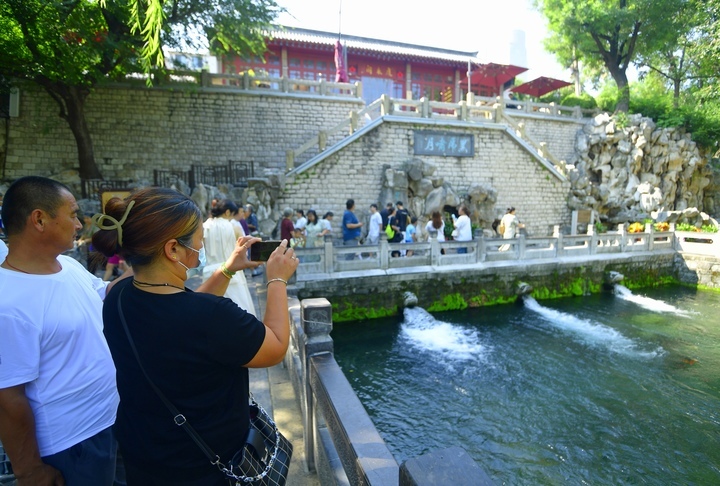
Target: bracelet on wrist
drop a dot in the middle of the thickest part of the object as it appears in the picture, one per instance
(276, 280)
(226, 272)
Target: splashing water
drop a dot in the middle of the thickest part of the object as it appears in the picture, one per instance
(646, 302)
(450, 340)
(592, 333)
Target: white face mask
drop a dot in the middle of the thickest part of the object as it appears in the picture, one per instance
(191, 272)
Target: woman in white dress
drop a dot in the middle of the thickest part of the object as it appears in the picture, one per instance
(219, 239)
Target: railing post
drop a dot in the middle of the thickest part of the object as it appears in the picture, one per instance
(316, 320)
(651, 236)
(358, 89)
(470, 98)
(385, 105)
(463, 111)
(425, 107)
(499, 109)
(384, 251)
(289, 160)
(323, 87)
(481, 249)
(354, 121)
(593, 239)
(329, 258)
(521, 247)
(284, 84)
(622, 233)
(434, 251)
(553, 109)
(205, 80)
(322, 140)
(246, 81)
(521, 130)
(577, 112)
(560, 246)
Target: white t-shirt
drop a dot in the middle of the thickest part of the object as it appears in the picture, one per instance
(51, 339)
(301, 223)
(3, 251)
(464, 228)
(438, 233)
(375, 225)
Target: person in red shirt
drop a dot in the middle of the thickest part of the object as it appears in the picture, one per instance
(286, 225)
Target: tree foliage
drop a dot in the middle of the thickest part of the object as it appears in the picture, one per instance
(610, 33)
(68, 46)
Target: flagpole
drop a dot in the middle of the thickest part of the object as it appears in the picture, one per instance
(468, 76)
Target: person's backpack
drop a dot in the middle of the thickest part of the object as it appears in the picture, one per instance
(389, 231)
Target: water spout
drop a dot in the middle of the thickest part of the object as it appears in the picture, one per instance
(409, 300)
(612, 278)
(523, 288)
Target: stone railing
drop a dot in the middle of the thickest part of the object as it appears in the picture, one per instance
(340, 440)
(386, 256)
(474, 109)
(698, 243)
(264, 84)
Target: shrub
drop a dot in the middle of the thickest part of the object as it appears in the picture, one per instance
(584, 101)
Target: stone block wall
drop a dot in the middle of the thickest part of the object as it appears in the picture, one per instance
(136, 130)
(559, 134)
(357, 172)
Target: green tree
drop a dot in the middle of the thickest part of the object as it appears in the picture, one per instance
(69, 46)
(610, 33)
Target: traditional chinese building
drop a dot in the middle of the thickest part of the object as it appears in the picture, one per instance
(383, 67)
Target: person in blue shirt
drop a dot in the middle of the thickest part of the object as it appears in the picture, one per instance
(350, 226)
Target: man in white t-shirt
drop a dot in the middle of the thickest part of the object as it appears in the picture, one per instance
(58, 396)
(373, 236)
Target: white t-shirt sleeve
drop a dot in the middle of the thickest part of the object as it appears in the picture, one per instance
(98, 285)
(19, 351)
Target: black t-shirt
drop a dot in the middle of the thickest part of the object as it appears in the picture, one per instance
(401, 216)
(193, 346)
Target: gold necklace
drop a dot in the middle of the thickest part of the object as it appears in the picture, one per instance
(138, 283)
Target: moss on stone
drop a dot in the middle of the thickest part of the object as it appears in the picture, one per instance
(351, 312)
(449, 302)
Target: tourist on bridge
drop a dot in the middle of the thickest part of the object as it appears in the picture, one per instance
(351, 227)
(510, 225)
(374, 226)
(463, 227)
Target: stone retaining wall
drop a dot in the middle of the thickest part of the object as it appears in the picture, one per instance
(358, 170)
(136, 130)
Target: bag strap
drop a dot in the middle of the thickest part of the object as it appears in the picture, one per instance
(179, 419)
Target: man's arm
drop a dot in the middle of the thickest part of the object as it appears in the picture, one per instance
(17, 433)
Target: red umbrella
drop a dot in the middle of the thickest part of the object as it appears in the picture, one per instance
(494, 75)
(540, 86)
(340, 71)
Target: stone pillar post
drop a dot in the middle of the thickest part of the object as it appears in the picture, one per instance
(623, 237)
(384, 249)
(328, 257)
(316, 320)
(434, 251)
(521, 246)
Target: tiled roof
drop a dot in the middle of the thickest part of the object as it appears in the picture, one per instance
(360, 45)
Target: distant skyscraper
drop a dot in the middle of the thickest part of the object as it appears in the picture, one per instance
(518, 52)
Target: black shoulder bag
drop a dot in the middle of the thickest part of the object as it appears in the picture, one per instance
(264, 458)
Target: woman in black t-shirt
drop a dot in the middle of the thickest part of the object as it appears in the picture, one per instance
(195, 346)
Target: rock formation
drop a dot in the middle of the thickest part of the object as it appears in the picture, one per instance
(628, 173)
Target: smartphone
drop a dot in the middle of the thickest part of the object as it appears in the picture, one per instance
(261, 251)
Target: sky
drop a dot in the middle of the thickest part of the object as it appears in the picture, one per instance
(486, 26)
